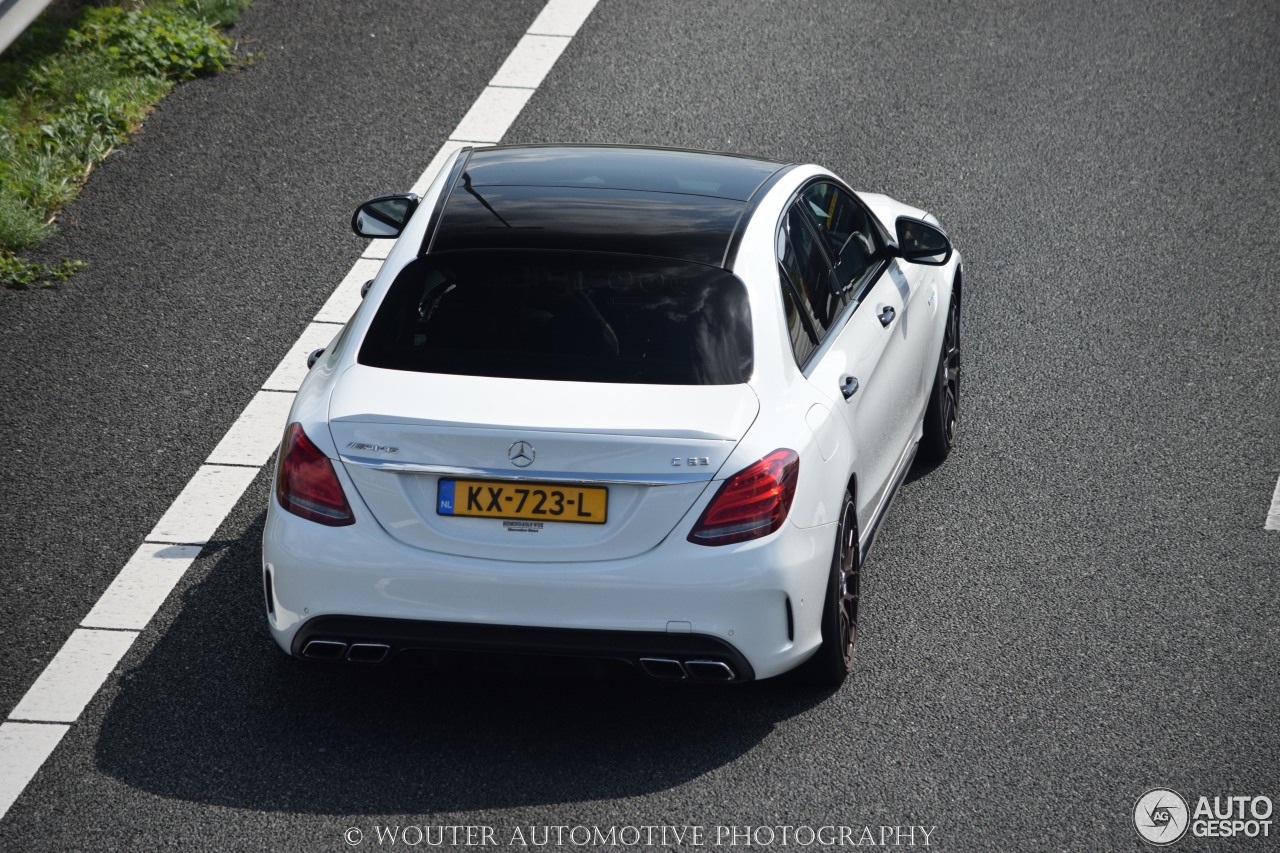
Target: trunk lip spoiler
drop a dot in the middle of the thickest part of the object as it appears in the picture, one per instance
(674, 434)
(633, 479)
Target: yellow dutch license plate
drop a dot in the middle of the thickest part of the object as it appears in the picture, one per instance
(520, 500)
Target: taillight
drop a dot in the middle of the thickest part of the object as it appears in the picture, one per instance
(752, 503)
(306, 484)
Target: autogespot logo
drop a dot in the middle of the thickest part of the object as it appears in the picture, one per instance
(1161, 816)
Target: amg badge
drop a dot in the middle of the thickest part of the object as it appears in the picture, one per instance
(376, 448)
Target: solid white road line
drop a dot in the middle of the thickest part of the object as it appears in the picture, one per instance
(1273, 517)
(89, 656)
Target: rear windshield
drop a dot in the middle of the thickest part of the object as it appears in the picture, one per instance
(575, 316)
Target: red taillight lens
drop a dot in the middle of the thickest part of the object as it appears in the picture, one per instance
(752, 503)
(306, 484)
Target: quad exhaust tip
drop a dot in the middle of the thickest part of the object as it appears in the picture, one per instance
(709, 670)
(325, 650)
(351, 652)
(664, 669)
(368, 652)
(669, 669)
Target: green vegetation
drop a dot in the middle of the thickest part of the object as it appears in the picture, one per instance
(72, 89)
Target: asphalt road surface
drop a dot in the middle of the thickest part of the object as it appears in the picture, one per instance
(1079, 606)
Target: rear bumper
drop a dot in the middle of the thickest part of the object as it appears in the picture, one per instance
(755, 606)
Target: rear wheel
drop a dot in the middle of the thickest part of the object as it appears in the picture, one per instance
(831, 664)
(944, 402)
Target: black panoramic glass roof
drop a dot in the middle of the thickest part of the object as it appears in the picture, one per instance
(690, 228)
(656, 170)
(653, 202)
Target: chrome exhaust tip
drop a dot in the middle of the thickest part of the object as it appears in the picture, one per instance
(368, 652)
(709, 670)
(664, 669)
(324, 650)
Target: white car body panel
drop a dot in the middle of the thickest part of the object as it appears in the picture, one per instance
(701, 412)
(654, 447)
(675, 587)
(887, 210)
(401, 560)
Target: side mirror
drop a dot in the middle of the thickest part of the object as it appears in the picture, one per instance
(922, 243)
(384, 216)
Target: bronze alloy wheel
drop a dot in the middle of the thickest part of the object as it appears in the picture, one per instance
(944, 402)
(833, 661)
(846, 570)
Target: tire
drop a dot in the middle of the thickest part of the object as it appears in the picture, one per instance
(833, 661)
(944, 400)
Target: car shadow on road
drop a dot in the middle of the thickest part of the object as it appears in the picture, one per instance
(216, 714)
(920, 468)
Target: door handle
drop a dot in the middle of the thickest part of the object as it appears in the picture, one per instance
(886, 315)
(849, 387)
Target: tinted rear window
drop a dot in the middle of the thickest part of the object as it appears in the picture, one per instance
(577, 317)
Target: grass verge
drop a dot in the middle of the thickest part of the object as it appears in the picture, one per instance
(74, 86)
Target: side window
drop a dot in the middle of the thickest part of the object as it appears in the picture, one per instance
(807, 267)
(802, 339)
(843, 223)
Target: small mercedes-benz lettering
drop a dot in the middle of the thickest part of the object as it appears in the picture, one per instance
(727, 365)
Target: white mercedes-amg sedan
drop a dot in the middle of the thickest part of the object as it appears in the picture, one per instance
(637, 405)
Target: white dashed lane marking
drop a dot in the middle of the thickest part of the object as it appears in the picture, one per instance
(491, 115)
(562, 18)
(346, 299)
(289, 374)
(141, 587)
(74, 675)
(1273, 517)
(197, 513)
(23, 748)
(529, 63)
(93, 651)
(253, 438)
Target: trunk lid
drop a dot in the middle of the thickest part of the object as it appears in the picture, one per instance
(427, 452)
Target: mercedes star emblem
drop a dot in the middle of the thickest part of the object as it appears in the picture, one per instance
(522, 454)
